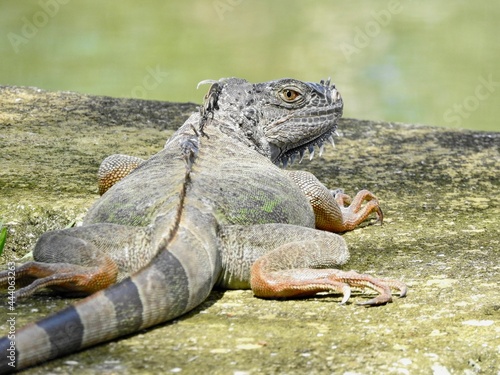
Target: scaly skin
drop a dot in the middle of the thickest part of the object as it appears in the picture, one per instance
(211, 208)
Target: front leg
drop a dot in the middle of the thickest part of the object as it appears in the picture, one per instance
(330, 208)
(115, 168)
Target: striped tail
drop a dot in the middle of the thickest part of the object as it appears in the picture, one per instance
(179, 278)
(160, 292)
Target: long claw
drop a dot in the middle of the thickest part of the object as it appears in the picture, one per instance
(402, 291)
(385, 298)
(377, 301)
(346, 291)
(382, 286)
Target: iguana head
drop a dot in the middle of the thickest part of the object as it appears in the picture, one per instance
(280, 119)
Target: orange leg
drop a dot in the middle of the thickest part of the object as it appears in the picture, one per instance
(63, 277)
(289, 261)
(270, 278)
(330, 208)
(114, 168)
(70, 261)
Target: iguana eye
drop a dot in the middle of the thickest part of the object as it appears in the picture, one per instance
(289, 95)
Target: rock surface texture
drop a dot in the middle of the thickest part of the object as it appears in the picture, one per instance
(439, 191)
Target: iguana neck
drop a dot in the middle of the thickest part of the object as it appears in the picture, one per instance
(238, 128)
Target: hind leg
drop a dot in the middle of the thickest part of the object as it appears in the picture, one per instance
(64, 263)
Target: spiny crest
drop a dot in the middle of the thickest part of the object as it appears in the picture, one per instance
(209, 104)
(189, 145)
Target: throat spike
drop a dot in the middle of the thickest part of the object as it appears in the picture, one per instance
(301, 154)
(332, 142)
(311, 153)
(321, 150)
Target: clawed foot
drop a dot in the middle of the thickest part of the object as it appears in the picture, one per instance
(357, 210)
(382, 286)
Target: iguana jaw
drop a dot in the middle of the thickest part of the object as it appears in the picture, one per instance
(289, 156)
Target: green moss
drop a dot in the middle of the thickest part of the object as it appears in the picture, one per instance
(270, 205)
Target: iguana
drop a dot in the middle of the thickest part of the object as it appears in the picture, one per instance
(210, 209)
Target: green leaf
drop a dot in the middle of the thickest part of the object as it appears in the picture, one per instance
(71, 224)
(3, 237)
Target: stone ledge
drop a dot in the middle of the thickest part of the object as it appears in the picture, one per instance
(439, 190)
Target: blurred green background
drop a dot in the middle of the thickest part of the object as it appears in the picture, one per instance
(426, 62)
